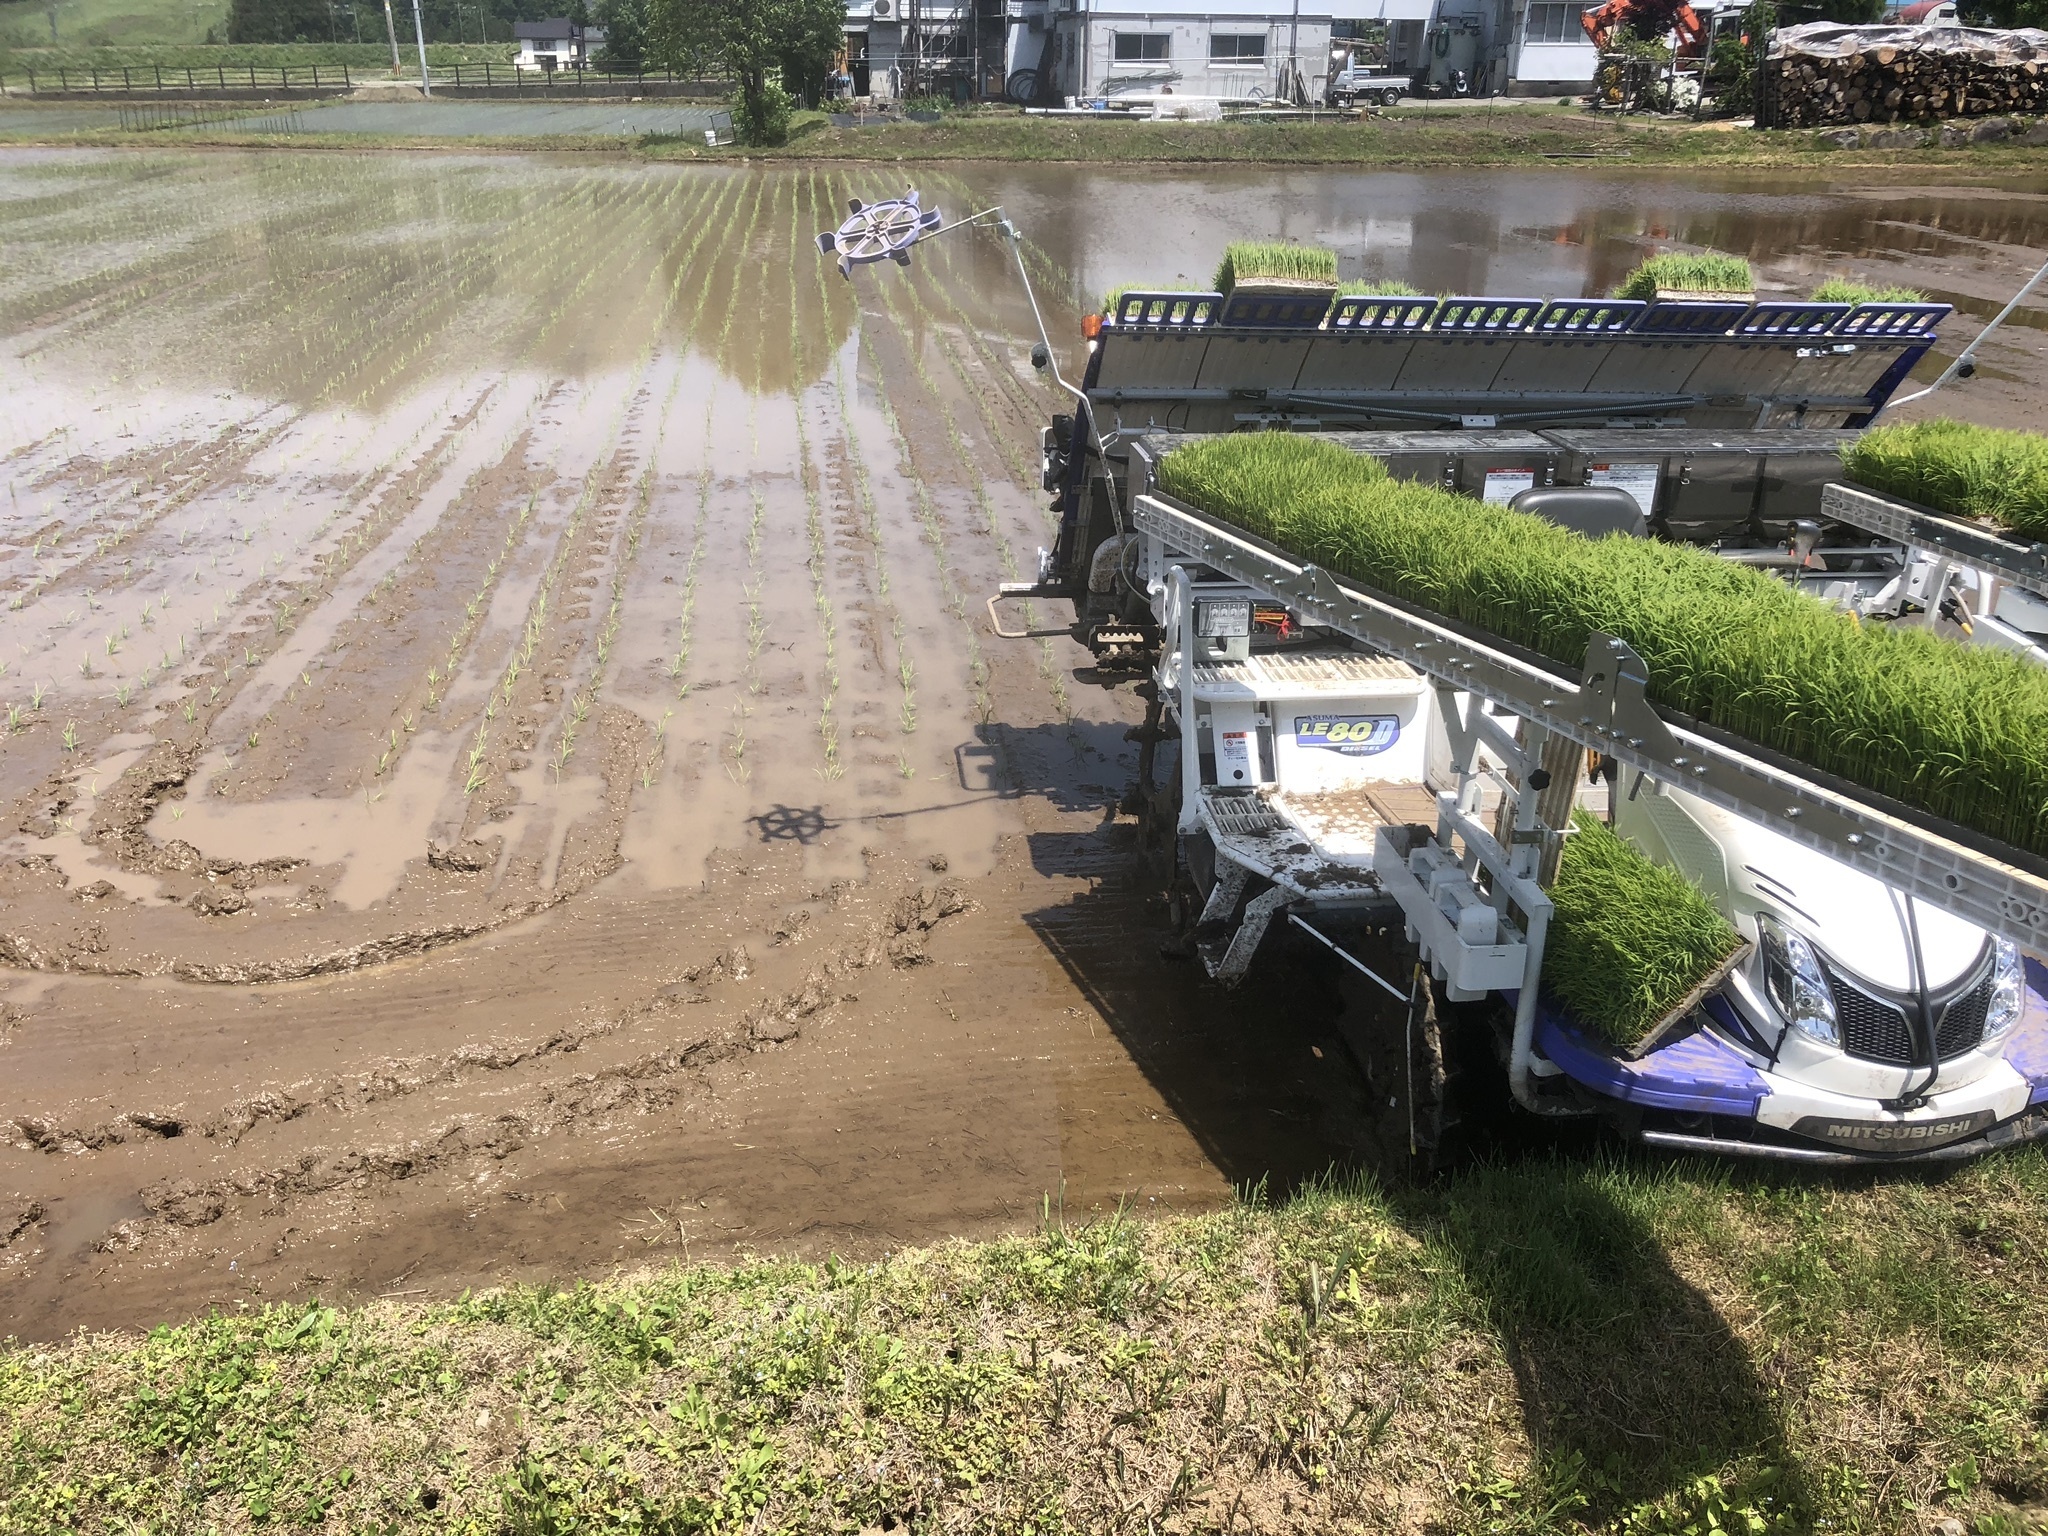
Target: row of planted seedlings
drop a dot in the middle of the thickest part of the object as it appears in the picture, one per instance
(199, 711)
(737, 201)
(931, 524)
(369, 531)
(547, 636)
(213, 700)
(1050, 672)
(941, 330)
(750, 591)
(716, 210)
(820, 555)
(475, 766)
(678, 665)
(883, 609)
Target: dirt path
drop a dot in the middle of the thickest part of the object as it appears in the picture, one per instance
(505, 769)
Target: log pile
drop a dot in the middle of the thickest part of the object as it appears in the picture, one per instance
(1822, 74)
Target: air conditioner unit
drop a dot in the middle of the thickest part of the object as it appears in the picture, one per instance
(884, 9)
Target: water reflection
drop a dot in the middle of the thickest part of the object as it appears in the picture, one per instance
(336, 279)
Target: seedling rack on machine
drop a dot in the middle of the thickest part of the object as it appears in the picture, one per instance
(1604, 710)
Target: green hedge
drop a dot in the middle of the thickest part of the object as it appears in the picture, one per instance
(1386, 289)
(1844, 290)
(1275, 261)
(1969, 471)
(1629, 938)
(1959, 731)
(1707, 272)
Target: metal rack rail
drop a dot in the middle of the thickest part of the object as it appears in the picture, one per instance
(1607, 711)
(2011, 560)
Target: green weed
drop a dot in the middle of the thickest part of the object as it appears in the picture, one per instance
(1706, 272)
(1986, 473)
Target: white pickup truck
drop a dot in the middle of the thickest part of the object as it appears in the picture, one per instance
(1359, 85)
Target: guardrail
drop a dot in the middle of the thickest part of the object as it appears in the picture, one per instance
(1675, 319)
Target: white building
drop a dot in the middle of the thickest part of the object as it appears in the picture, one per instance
(1051, 50)
(1228, 48)
(557, 43)
(1548, 53)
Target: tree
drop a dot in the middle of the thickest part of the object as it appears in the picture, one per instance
(279, 21)
(2004, 13)
(773, 49)
(625, 33)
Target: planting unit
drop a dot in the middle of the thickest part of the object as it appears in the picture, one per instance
(1338, 756)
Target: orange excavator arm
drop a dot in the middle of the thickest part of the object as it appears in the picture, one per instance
(1646, 18)
(1599, 24)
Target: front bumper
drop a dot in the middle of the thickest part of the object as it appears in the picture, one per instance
(1698, 1094)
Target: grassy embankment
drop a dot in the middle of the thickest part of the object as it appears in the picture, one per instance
(1533, 135)
(1554, 1346)
(1518, 134)
(198, 57)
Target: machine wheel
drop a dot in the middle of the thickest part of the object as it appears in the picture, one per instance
(1390, 97)
(1418, 1058)
(1022, 87)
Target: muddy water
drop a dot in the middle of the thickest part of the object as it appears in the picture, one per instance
(506, 768)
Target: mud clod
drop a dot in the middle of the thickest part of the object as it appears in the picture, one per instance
(470, 858)
(216, 902)
(16, 1217)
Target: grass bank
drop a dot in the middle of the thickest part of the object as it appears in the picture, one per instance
(1427, 137)
(111, 59)
(1520, 136)
(1549, 1347)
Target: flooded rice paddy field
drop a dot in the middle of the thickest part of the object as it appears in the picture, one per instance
(506, 770)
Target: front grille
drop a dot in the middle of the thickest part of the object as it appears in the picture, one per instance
(1875, 1028)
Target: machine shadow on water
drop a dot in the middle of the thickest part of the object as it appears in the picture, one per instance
(1632, 1385)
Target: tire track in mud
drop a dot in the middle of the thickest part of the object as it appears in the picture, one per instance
(641, 1083)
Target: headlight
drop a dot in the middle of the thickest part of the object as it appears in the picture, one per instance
(2008, 990)
(1794, 983)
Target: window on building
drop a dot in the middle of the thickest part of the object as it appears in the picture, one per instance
(1552, 23)
(1142, 47)
(1237, 48)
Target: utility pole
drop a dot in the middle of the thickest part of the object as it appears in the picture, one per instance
(419, 36)
(1294, 92)
(391, 31)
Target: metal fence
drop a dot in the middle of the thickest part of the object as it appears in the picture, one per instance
(187, 80)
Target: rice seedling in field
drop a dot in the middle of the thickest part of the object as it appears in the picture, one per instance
(1678, 271)
(1955, 730)
(1629, 938)
(1275, 261)
(1968, 471)
(1844, 290)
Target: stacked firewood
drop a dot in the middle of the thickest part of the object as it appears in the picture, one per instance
(1893, 74)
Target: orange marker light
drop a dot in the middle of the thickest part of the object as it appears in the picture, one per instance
(1091, 326)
